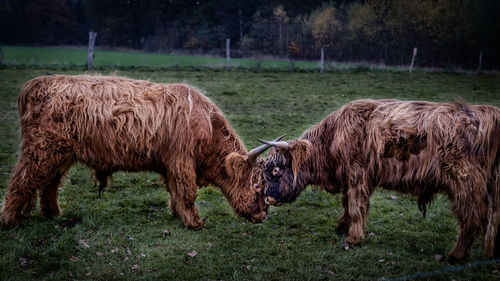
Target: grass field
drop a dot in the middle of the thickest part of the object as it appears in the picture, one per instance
(77, 57)
(120, 236)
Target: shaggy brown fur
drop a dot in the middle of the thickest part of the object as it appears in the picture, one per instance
(419, 148)
(113, 123)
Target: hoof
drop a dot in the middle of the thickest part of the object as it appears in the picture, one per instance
(171, 207)
(10, 220)
(195, 224)
(346, 246)
(352, 241)
(51, 213)
(457, 257)
(9, 225)
(195, 227)
(342, 228)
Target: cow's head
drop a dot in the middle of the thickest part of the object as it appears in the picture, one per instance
(247, 171)
(283, 174)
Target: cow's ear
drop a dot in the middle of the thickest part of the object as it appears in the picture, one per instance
(301, 152)
(235, 163)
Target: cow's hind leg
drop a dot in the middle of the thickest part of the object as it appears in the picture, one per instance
(491, 240)
(496, 253)
(491, 235)
(50, 191)
(470, 206)
(21, 194)
(344, 220)
(102, 177)
(171, 201)
(40, 168)
(182, 187)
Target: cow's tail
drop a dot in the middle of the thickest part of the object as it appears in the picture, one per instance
(491, 241)
(31, 87)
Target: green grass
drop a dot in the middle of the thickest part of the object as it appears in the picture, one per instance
(64, 58)
(119, 236)
(77, 57)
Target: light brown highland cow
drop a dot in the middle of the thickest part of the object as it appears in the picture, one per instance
(420, 148)
(113, 123)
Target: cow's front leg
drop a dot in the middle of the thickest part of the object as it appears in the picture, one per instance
(358, 207)
(182, 188)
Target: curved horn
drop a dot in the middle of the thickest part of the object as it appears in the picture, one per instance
(254, 153)
(279, 144)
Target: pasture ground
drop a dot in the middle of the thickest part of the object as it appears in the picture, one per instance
(121, 235)
(76, 57)
(122, 59)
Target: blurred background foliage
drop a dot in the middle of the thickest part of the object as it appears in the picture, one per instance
(446, 32)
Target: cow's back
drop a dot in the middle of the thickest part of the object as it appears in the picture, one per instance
(116, 121)
(401, 144)
(424, 143)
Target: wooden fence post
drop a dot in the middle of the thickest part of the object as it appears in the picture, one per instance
(480, 62)
(228, 53)
(413, 59)
(92, 36)
(322, 60)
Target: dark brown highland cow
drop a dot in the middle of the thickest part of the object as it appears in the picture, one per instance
(113, 123)
(419, 148)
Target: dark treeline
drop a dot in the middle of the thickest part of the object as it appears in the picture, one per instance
(446, 32)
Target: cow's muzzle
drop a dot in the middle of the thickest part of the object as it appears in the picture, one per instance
(260, 217)
(271, 201)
